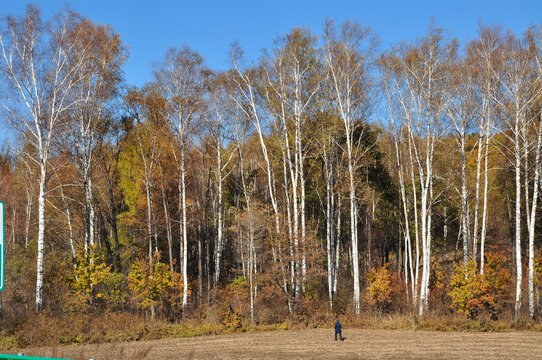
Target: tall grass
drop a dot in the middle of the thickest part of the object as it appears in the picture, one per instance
(47, 330)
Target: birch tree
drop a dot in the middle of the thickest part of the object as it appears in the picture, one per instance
(148, 109)
(330, 153)
(249, 218)
(534, 46)
(348, 53)
(460, 107)
(38, 77)
(292, 75)
(181, 77)
(516, 73)
(219, 120)
(101, 55)
(482, 55)
(247, 100)
(415, 83)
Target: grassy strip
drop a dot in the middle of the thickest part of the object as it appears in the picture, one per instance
(46, 330)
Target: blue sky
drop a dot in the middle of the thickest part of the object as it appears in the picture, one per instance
(149, 28)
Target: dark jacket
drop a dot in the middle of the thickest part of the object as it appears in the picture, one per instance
(338, 326)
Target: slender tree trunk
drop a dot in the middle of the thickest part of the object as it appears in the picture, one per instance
(200, 264)
(70, 228)
(168, 222)
(464, 200)
(300, 156)
(218, 245)
(409, 269)
(41, 235)
(288, 218)
(517, 153)
(477, 197)
(184, 238)
(353, 229)
(484, 211)
(532, 221)
(303, 225)
(13, 224)
(338, 242)
(28, 217)
(114, 227)
(416, 223)
(149, 218)
(252, 255)
(89, 213)
(208, 268)
(330, 247)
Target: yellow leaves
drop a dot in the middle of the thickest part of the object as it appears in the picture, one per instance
(466, 288)
(379, 290)
(473, 292)
(232, 319)
(93, 280)
(154, 285)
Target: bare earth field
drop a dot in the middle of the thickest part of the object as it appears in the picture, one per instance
(318, 344)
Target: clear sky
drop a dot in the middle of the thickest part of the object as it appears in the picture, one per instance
(150, 27)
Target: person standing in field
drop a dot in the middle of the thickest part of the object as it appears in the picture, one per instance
(338, 330)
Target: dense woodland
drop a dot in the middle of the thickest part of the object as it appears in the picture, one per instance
(331, 176)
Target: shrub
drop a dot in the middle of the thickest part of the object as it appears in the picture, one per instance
(93, 284)
(154, 285)
(439, 287)
(497, 281)
(473, 293)
(466, 288)
(232, 318)
(379, 289)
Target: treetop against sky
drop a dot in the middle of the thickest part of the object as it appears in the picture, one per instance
(149, 28)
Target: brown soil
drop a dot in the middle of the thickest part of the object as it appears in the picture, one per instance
(318, 344)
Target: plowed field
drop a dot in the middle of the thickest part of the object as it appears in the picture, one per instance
(318, 344)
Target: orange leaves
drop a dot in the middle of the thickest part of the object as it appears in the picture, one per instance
(379, 290)
(473, 292)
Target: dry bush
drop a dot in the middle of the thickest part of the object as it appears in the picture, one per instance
(439, 287)
(45, 329)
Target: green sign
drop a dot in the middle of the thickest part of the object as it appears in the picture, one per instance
(2, 242)
(23, 357)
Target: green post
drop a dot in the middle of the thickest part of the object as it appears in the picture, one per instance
(24, 357)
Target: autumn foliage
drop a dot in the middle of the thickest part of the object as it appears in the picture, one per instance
(154, 285)
(261, 194)
(379, 288)
(94, 286)
(473, 293)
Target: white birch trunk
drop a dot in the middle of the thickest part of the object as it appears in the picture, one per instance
(338, 242)
(477, 196)
(464, 200)
(41, 237)
(218, 250)
(484, 211)
(167, 217)
(246, 87)
(184, 237)
(330, 207)
(532, 221)
(353, 232)
(517, 155)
